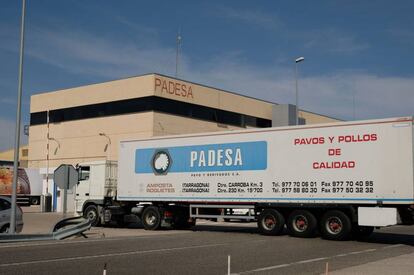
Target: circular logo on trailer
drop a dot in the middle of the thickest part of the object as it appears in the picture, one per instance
(161, 162)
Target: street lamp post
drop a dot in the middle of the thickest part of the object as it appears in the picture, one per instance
(297, 60)
(353, 105)
(17, 134)
(108, 155)
(177, 56)
(106, 146)
(58, 144)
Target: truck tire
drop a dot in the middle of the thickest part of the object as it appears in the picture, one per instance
(151, 218)
(302, 223)
(335, 225)
(91, 213)
(271, 222)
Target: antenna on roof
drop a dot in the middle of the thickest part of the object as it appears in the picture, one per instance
(177, 56)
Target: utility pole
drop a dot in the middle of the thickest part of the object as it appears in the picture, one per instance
(353, 106)
(177, 56)
(17, 133)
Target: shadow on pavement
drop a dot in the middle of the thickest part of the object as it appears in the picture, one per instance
(251, 228)
(376, 237)
(390, 238)
(226, 228)
(137, 225)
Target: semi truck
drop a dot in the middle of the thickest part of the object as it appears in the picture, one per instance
(337, 180)
(29, 184)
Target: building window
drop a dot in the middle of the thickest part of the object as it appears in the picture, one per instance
(38, 118)
(150, 103)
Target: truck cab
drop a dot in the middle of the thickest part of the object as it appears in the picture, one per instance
(96, 186)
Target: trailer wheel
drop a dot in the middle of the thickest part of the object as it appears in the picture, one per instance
(151, 218)
(335, 225)
(91, 213)
(271, 222)
(302, 223)
(362, 232)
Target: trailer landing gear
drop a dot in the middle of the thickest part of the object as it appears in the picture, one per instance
(182, 219)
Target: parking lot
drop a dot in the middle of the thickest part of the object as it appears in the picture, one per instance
(203, 250)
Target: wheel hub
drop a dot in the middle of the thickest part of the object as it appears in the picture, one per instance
(269, 222)
(151, 219)
(334, 225)
(300, 223)
(91, 215)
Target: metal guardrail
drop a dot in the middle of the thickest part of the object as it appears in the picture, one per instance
(61, 230)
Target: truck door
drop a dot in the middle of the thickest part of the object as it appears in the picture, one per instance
(83, 187)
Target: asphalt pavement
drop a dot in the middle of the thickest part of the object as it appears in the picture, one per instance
(205, 250)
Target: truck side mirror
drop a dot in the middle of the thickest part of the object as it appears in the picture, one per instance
(78, 169)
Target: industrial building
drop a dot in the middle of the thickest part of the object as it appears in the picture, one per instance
(7, 157)
(86, 123)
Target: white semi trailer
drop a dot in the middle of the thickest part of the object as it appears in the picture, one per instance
(338, 179)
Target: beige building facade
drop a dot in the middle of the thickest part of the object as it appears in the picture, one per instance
(86, 123)
(7, 157)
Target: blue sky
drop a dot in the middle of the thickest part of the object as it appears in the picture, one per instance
(361, 49)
